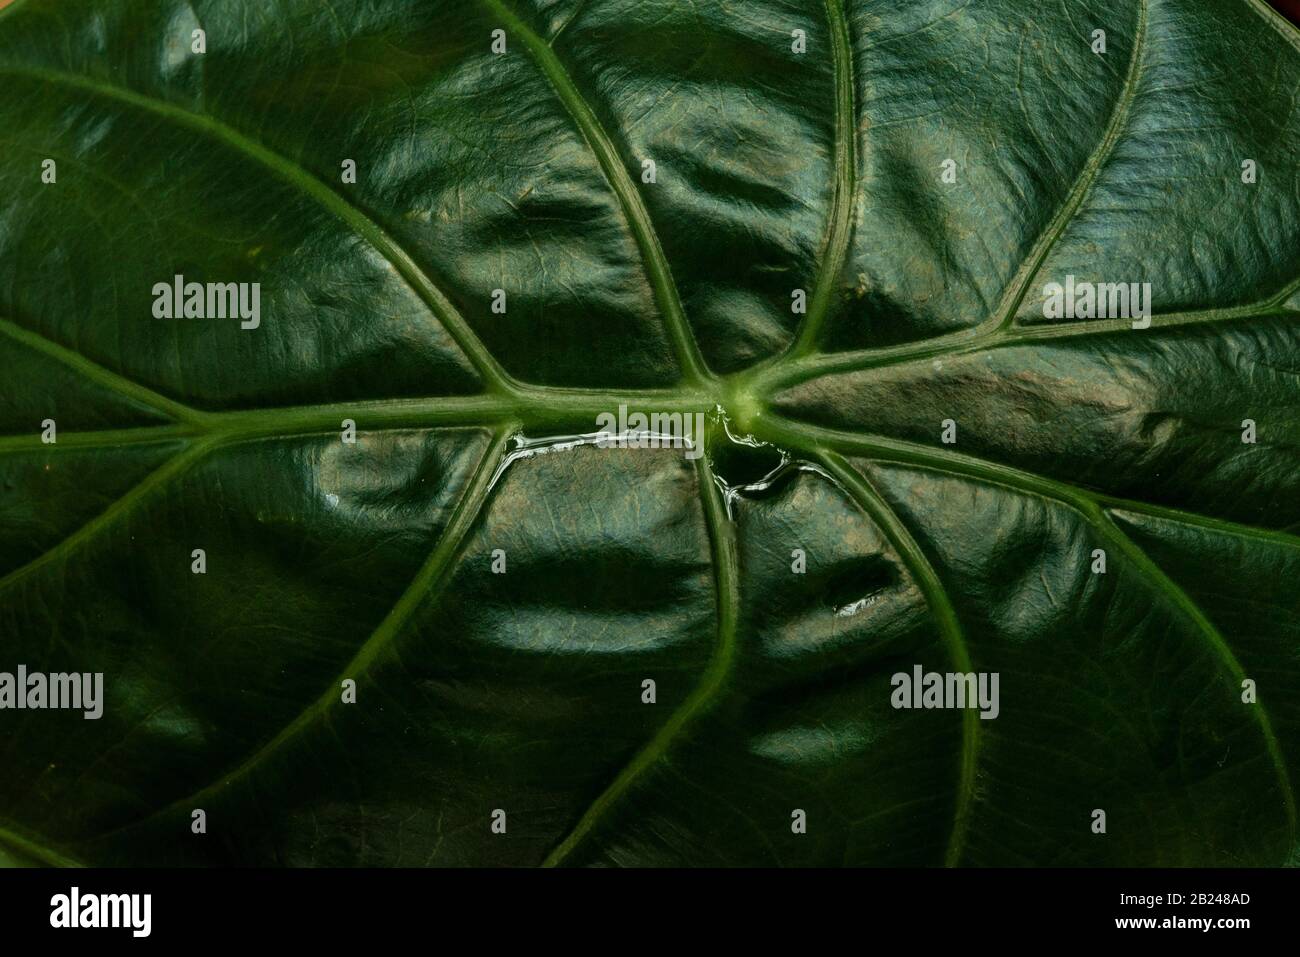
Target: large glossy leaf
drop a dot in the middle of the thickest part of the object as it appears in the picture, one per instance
(922, 171)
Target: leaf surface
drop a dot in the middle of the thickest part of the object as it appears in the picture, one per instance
(649, 183)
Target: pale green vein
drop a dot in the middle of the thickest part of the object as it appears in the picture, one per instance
(565, 411)
(616, 174)
(100, 439)
(945, 616)
(972, 341)
(840, 224)
(1090, 507)
(1051, 332)
(1183, 602)
(722, 536)
(98, 374)
(298, 177)
(159, 477)
(765, 379)
(792, 368)
(1083, 183)
(30, 850)
(788, 433)
(1291, 289)
(574, 410)
(425, 586)
(1265, 536)
(1284, 27)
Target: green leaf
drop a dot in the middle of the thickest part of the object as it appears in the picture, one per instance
(495, 589)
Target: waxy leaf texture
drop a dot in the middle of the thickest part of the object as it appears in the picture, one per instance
(832, 227)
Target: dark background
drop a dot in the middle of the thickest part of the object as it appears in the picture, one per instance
(1291, 8)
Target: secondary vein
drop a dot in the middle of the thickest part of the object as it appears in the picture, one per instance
(159, 477)
(427, 583)
(971, 341)
(371, 231)
(722, 537)
(840, 222)
(616, 174)
(1087, 176)
(945, 616)
(35, 851)
(1186, 606)
(97, 373)
(783, 431)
